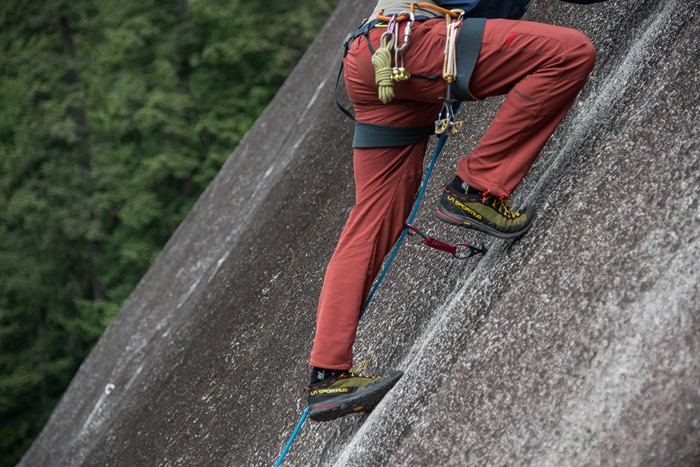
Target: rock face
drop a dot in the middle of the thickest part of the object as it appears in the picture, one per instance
(578, 344)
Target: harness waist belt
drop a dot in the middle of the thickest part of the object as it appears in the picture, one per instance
(368, 135)
(368, 25)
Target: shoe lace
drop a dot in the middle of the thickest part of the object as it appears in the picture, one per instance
(358, 368)
(502, 204)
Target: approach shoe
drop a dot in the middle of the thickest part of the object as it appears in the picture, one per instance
(348, 393)
(484, 212)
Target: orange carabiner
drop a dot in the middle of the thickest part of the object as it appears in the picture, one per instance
(398, 19)
(386, 19)
(444, 11)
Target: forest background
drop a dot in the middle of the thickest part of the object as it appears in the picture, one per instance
(114, 117)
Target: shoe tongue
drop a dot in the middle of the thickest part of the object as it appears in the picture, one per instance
(319, 374)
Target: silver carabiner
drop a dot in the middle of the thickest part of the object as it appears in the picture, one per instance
(406, 32)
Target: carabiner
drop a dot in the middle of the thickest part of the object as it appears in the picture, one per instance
(471, 250)
(392, 23)
(406, 32)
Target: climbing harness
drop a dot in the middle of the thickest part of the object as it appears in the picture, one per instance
(370, 135)
(462, 47)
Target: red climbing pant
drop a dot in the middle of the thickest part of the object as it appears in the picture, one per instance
(540, 68)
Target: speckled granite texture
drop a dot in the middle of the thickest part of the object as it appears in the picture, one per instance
(576, 345)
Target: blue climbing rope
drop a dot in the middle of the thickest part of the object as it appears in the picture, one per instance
(411, 217)
(438, 149)
(291, 438)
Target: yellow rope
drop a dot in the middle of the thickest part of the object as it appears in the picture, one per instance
(382, 69)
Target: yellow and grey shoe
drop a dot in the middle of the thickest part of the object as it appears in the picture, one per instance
(348, 393)
(484, 212)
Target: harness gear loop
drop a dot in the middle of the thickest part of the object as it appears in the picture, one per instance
(404, 16)
(453, 13)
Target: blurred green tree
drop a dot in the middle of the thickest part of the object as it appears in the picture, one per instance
(115, 116)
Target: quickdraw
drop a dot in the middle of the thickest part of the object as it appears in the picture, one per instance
(446, 122)
(459, 251)
(449, 67)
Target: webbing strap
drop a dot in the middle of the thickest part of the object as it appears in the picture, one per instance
(368, 135)
(345, 111)
(468, 46)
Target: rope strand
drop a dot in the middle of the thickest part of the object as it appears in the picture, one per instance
(383, 75)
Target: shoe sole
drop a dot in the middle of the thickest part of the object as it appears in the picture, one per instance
(470, 223)
(354, 403)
